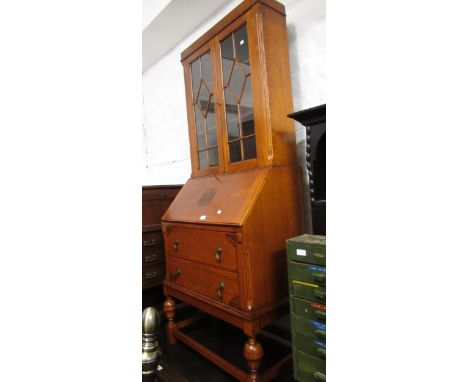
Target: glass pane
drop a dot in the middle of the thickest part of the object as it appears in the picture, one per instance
(206, 70)
(200, 124)
(202, 163)
(196, 77)
(231, 115)
(242, 45)
(233, 129)
(204, 98)
(199, 121)
(211, 106)
(249, 148)
(213, 155)
(201, 141)
(210, 119)
(248, 124)
(211, 126)
(246, 109)
(234, 152)
(211, 134)
(237, 80)
(227, 54)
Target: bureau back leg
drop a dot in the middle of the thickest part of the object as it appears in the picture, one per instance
(169, 308)
(253, 353)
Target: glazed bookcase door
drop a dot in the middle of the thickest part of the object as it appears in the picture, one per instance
(202, 111)
(237, 114)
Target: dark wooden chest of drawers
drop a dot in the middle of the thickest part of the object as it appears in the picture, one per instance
(156, 200)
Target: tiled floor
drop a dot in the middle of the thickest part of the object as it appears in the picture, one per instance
(223, 338)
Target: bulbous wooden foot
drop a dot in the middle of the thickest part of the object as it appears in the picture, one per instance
(169, 309)
(253, 353)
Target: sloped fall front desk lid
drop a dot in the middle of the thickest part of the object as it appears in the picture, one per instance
(223, 199)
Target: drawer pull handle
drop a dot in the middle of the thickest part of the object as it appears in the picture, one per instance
(219, 251)
(320, 313)
(220, 290)
(149, 243)
(176, 244)
(319, 376)
(319, 276)
(151, 258)
(322, 352)
(176, 273)
(319, 255)
(320, 333)
(151, 275)
(319, 294)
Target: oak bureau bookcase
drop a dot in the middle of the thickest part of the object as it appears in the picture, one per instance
(225, 232)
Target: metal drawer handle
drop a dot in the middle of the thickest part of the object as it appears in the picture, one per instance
(176, 244)
(151, 275)
(319, 255)
(319, 294)
(149, 243)
(319, 276)
(176, 273)
(320, 333)
(151, 258)
(220, 290)
(319, 376)
(321, 351)
(219, 251)
(320, 313)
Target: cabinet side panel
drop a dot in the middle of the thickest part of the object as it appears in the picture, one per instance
(276, 217)
(272, 31)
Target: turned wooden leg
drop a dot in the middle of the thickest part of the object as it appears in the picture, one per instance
(253, 353)
(169, 309)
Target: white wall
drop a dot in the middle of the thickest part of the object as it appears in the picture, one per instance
(165, 135)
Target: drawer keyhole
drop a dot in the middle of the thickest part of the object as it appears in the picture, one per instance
(219, 251)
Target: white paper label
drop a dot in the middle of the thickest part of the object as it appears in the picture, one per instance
(301, 252)
(219, 212)
(203, 217)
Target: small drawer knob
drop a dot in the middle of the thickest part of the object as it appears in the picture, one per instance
(176, 244)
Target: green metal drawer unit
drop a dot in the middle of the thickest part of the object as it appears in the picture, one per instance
(307, 299)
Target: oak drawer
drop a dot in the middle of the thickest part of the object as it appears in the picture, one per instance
(308, 368)
(214, 283)
(153, 275)
(309, 291)
(153, 239)
(212, 248)
(308, 309)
